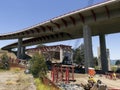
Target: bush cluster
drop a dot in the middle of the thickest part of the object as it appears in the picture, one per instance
(4, 62)
(38, 67)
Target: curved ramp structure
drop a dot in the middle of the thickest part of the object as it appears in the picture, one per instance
(103, 18)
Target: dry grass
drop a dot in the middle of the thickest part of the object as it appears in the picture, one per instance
(12, 80)
(10, 54)
(41, 86)
(21, 83)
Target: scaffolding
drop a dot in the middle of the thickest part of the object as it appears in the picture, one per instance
(62, 73)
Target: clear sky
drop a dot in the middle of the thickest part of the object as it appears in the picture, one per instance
(19, 14)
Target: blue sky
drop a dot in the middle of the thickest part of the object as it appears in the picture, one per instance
(19, 14)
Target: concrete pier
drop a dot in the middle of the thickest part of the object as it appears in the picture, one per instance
(22, 52)
(19, 48)
(103, 55)
(88, 47)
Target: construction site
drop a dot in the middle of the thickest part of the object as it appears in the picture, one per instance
(61, 66)
(63, 74)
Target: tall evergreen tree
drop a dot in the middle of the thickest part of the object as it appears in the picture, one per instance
(78, 55)
(117, 62)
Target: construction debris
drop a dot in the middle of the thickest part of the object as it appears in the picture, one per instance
(70, 86)
(92, 84)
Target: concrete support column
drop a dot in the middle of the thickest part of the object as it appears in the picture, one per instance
(23, 51)
(72, 56)
(61, 54)
(88, 48)
(103, 55)
(19, 48)
(99, 58)
(108, 58)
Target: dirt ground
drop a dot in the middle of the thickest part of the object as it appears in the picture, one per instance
(83, 78)
(112, 84)
(11, 80)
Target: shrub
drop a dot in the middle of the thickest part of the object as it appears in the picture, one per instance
(114, 68)
(16, 70)
(5, 61)
(38, 67)
(42, 86)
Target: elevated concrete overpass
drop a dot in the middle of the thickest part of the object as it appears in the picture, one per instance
(100, 19)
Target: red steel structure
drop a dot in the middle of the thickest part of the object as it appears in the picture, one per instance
(62, 73)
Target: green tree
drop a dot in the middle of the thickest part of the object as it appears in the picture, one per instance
(95, 59)
(5, 61)
(117, 62)
(78, 54)
(38, 67)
